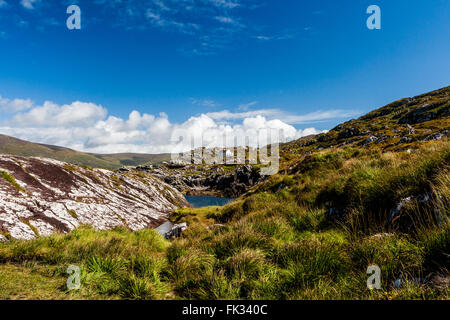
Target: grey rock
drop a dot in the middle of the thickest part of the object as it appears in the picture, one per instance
(381, 140)
(144, 168)
(171, 231)
(348, 133)
(437, 136)
(212, 181)
(405, 140)
(369, 140)
(410, 129)
(323, 138)
(399, 209)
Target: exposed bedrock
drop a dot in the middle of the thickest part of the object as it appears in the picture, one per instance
(42, 196)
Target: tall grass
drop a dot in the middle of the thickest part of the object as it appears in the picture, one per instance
(307, 235)
(5, 175)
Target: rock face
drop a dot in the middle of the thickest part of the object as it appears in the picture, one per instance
(171, 231)
(41, 196)
(437, 136)
(427, 112)
(348, 133)
(215, 181)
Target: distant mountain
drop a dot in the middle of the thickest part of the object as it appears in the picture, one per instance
(133, 159)
(14, 146)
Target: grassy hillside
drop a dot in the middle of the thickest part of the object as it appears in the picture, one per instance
(395, 127)
(281, 242)
(134, 159)
(338, 205)
(14, 146)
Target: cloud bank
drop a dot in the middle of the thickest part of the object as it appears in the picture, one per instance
(88, 127)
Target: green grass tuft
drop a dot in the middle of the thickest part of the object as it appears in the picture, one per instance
(5, 175)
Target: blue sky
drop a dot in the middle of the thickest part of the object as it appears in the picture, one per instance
(308, 64)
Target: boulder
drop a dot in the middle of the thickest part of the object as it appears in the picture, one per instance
(171, 231)
(405, 140)
(144, 168)
(348, 133)
(398, 216)
(437, 136)
(410, 129)
(369, 140)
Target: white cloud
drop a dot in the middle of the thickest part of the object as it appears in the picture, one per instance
(161, 5)
(204, 102)
(225, 3)
(317, 116)
(87, 127)
(225, 19)
(155, 17)
(28, 4)
(50, 114)
(192, 17)
(3, 3)
(228, 115)
(245, 106)
(15, 105)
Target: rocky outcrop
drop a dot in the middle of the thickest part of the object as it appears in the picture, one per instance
(426, 112)
(403, 216)
(348, 133)
(41, 196)
(171, 231)
(368, 141)
(194, 180)
(437, 136)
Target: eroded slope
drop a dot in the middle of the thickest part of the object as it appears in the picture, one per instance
(42, 196)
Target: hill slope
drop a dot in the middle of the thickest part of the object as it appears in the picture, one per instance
(14, 146)
(394, 127)
(41, 196)
(342, 202)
